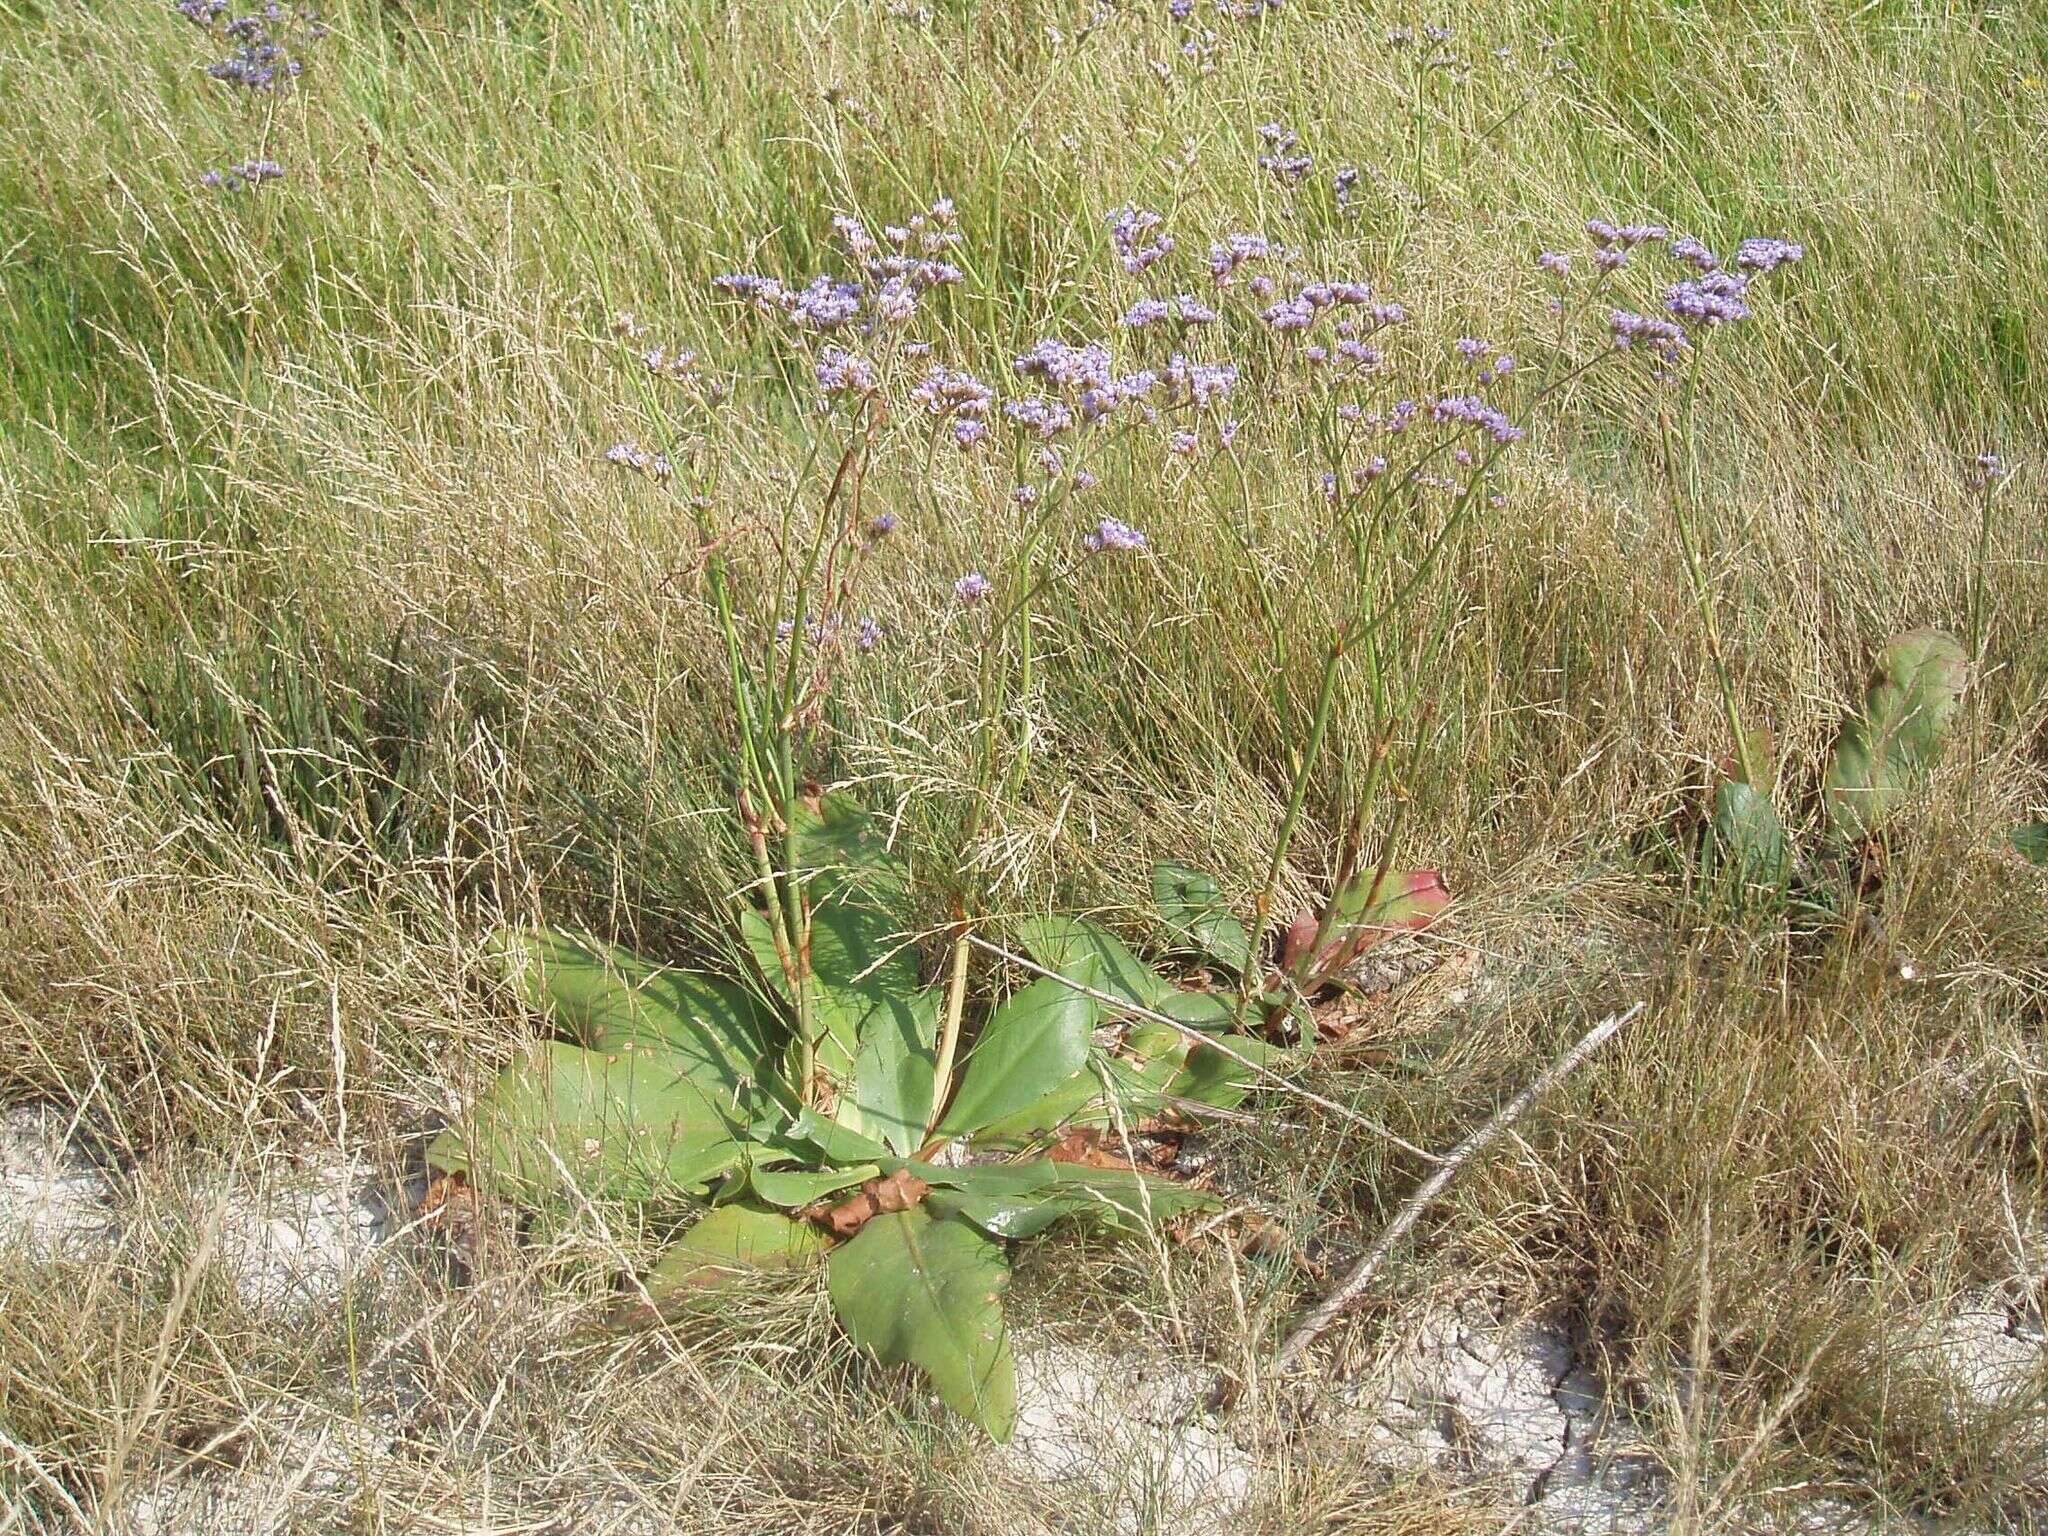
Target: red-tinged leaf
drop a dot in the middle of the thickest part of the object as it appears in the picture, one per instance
(1301, 938)
(1368, 912)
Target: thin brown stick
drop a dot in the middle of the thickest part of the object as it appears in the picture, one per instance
(1353, 1285)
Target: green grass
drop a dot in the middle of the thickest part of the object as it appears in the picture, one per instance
(326, 641)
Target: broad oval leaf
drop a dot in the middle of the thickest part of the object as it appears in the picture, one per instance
(1746, 841)
(1211, 1077)
(608, 996)
(890, 1094)
(635, 1123)
(727, 1243)
(1089, 953)
(1192, 905)
(915, 1289)
(1028, 1046)
(2030, 840)
(1887, 746)
(1020, 1200)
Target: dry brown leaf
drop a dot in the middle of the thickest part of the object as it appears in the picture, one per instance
(898, 1191)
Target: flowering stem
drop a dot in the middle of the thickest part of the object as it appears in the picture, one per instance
(1262, 911)
(1683, 497)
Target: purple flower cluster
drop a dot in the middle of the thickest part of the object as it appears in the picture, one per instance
(1129, 227)
(953, 392)
(1067, 367)
(1283, 157)
(1694, 254)
(249, 173)
(846, 373)
(1474, 411)
(1198, 384)
(1715, 298)
(972, 588)
(264, 45)
(664, 364)
(1234, 251)
(1183, 307)
(1763, 253)
(1113, 535)
(632, 456)
(895, 273)
(1664, 337)
(1986, 471)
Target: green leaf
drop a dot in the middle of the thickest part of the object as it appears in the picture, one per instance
(841, 841)
(1192, 905)
(636, 1123)
(914, 1289)
(1079, 1097)
(607, 996)
(1070, 944)
(1210, 1077)
(729, 1242)
(1887, 747)
(1213, 1012)
(890, 1096)
(1019, 1200)
(793, 1188)
(2030, 839)
(1028, 1046)
(1745, 839)
(863, 957)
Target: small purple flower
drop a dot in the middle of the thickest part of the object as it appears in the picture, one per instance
(844, 373)
(1764, 254)
(969, 430)
(1694, 254)
(1987, 470)
(1128, 228)
(1085, 480)
(1473, 411)
(1227, 433)
(1145, 312)
(1024, 495)
(1556, 263)
(972, 588)
(867, 634)
(1111, 534)
(1185, 444)
(1471, 348)
(1715, 298)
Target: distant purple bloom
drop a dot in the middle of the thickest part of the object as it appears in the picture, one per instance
(1715, 298)
(1987, 471)
(1111, 534)
(1555, 262)
(1128, 228)
(1185, 444)
(1693, 253)
(880, 527)
(1473, 411)
(1024, 495)
(1145, 312)
(972, 587)
(1764, 254)
(1471, 348)
(844, 373)
(1039, 413)
(969, 430)
(867, 634)
(952, 392)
